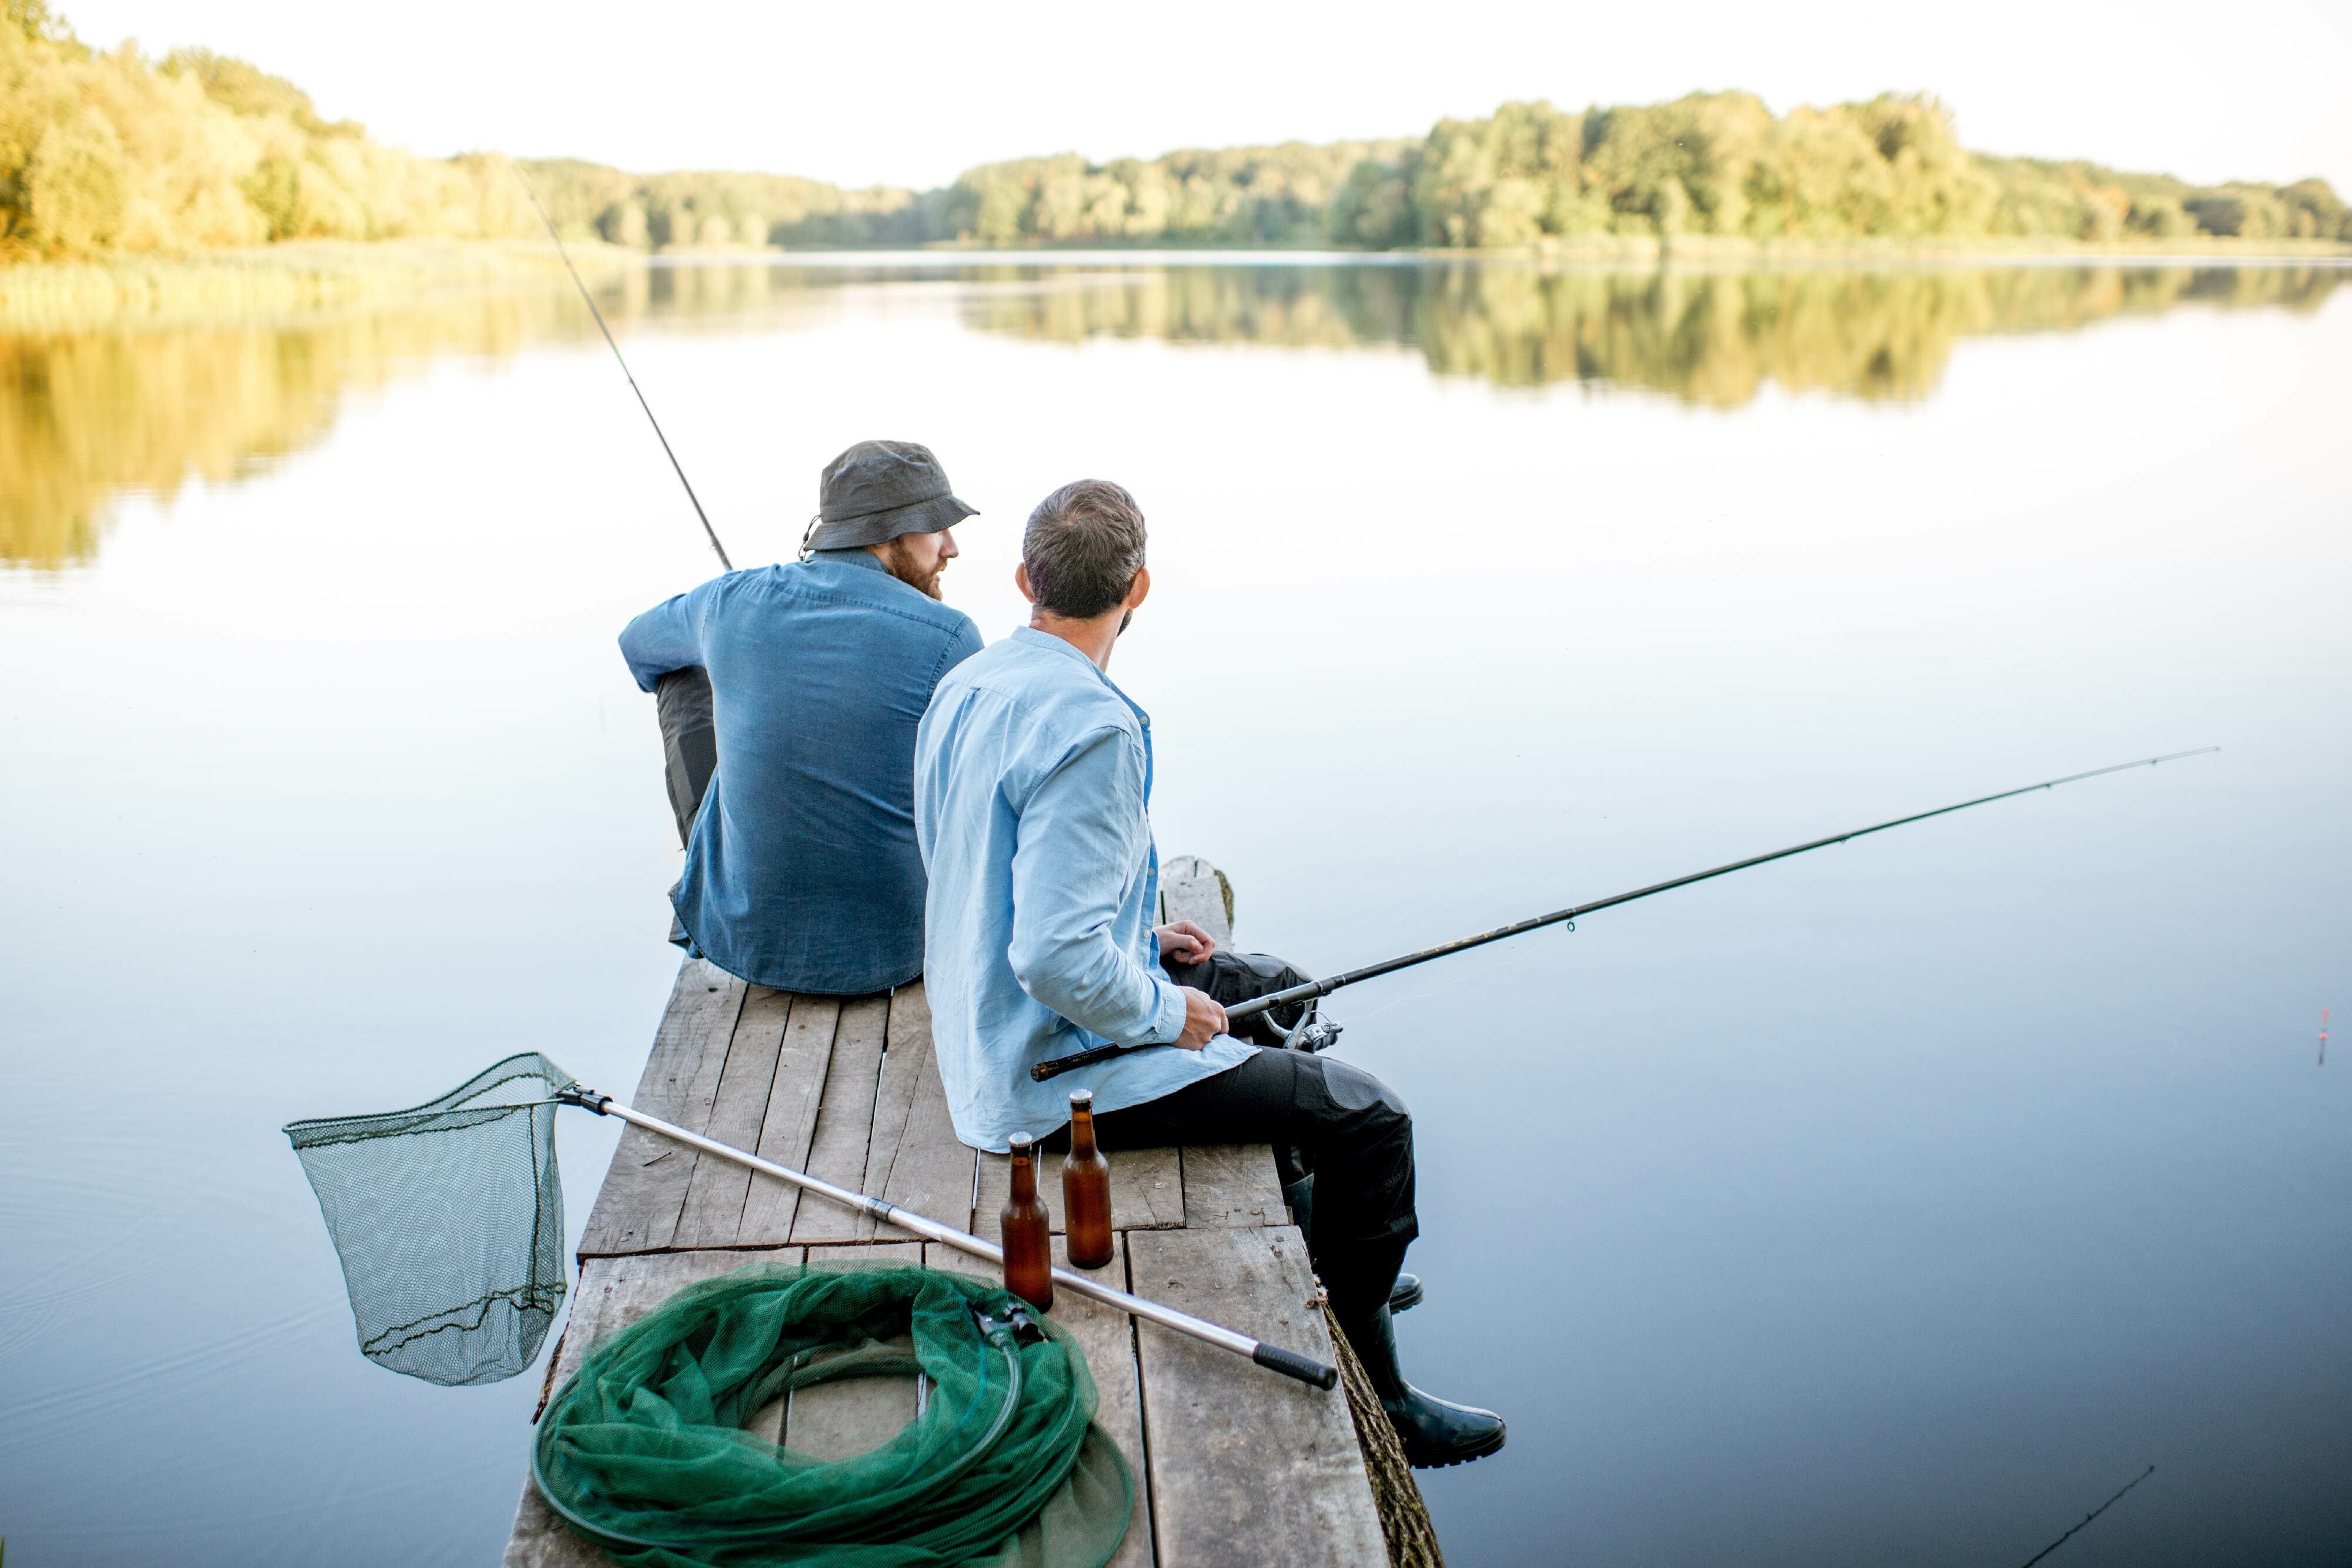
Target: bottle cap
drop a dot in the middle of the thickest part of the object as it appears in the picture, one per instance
(1083, 1097)
(1020, 1142)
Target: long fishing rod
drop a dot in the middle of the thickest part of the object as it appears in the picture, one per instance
(1274, 1358)
(1314, 988)
(711, 532)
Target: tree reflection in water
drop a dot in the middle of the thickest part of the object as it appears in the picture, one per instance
(1705, 337)
(86, 416)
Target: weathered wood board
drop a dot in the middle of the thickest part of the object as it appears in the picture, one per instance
(1228, 1185)
(788, 1129)
(1244, 1470)
(1189, 889)
(638, 1208)
(915, 1160)
(844, 1120)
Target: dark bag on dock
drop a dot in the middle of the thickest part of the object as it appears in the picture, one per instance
(1229, 977)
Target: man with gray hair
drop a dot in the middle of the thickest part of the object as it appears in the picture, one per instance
(1033, 783)
(791, 764)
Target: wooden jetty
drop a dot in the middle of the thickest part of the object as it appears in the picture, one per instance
(1233, 1464)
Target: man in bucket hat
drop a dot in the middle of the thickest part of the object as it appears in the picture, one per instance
(792, 770)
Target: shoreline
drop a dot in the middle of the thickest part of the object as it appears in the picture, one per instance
(300, 277)
(269, 281)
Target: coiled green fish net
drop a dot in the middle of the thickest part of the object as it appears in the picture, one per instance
(644, 1450)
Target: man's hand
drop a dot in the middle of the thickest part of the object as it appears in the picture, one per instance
(1203, 1019)
(1184, 942)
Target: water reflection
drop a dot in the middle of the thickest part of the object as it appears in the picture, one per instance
(1707, 338)
(86, 416)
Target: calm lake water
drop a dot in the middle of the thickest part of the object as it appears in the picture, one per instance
(1897, 1203)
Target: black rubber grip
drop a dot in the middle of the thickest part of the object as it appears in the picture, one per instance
(1290, 1364)
(1061, 1064)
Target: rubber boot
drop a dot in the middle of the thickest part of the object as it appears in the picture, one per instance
(1404, 1296)
(1436, 1432)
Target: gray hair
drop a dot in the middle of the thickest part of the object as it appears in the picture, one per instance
(1083, 546)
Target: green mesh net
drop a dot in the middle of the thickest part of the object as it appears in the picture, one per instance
(448, 1218)
(644, 1450)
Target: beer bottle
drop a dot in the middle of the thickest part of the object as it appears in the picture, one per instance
(1027, 1231)
(1085, 1188)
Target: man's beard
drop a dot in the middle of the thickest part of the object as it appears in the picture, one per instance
(901, 565)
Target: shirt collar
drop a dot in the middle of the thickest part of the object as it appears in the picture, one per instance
(851, 558)
(1029, 636)
(1062, 645)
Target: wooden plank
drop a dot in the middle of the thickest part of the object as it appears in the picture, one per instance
(713, 1212)
(914, 1159)
(1233, 1185)
(1246, 1466)
(1147, 1190)
(613, 1293)
(844, 1120)
(1189, 890)
(788, 1124)
(836, 1420)
(1108, 1343)
(645, 1188)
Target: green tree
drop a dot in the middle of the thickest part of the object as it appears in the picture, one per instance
(78, 185)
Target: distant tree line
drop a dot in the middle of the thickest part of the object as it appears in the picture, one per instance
(103, 152)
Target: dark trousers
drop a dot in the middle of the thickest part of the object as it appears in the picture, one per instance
(1330, 1118)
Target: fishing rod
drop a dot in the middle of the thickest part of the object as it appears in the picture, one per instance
(1312, 989)
(711, 533)
(1274, 1358)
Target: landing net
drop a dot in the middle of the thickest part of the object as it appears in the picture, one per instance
(448, 1218)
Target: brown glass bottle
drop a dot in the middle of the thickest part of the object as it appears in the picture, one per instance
(1027, 1231)
(1085, 1188)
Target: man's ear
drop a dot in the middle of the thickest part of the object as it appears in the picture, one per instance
(1140, 589)
(1021, 581)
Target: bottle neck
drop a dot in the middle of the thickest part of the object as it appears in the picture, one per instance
(1081, 1134)
(1024, 1178)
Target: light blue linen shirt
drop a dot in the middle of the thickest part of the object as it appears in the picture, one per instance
(1032, 785)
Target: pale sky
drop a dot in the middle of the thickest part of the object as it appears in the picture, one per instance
(911, 93)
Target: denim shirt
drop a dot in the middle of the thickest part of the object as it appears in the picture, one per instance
(1032, 781)
(802, 872)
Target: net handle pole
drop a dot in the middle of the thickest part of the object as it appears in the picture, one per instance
(1290, 1364)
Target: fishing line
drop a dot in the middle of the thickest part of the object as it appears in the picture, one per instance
(1488, 968)
(711, 533)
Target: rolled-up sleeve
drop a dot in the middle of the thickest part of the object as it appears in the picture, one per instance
(667, 637)
(1080, 834)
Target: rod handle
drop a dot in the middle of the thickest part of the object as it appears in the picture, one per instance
(1046, 1071)
(1290, 1364)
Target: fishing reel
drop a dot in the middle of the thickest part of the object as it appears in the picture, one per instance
(1311, 1033)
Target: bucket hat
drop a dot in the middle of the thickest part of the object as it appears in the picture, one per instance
(879, 489)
